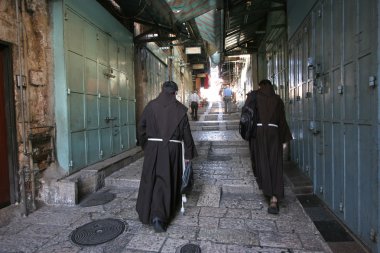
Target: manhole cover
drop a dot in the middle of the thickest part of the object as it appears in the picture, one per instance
(190, 248)
(97, 232)
(97, 198)
(219, 158)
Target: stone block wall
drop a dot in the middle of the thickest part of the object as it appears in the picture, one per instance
(25, 28)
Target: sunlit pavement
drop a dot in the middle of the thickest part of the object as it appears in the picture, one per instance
(225, 212)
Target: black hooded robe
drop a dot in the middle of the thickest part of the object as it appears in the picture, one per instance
(159, 192)
(266, 147)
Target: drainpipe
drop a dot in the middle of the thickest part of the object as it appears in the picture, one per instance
(20, 85)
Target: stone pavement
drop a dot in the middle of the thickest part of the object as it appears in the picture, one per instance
(225, 212)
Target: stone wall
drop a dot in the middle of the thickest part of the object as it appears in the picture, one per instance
(27, 31)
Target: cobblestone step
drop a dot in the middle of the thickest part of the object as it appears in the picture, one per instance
(128, 177)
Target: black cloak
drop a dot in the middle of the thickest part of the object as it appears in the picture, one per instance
(159, 192)
(266, 147)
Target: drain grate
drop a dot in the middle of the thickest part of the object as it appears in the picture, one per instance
(190, 248)
(332, 231)
(219, 158)
(97, 232)
(97, 198)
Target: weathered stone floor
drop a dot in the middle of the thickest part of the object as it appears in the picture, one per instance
(225, 213)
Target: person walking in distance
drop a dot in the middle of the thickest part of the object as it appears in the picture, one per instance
(271, 132)
(194, 103)
(227, 97)
(162, 128)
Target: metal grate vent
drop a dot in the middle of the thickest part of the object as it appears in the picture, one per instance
(97, 232)
(190, 248)
(97, 198)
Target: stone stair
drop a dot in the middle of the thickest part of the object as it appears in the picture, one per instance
(127, 177)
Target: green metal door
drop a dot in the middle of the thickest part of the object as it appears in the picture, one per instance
(104, 112)
(100, 92)
(75, 90)
(131, 123)
(124, 124)
(115, 124)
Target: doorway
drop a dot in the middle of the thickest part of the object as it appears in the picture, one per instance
(8, 181)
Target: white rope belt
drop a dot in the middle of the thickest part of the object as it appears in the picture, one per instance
(183, 150)
(155, 139)
(272, 125)
(184, 199)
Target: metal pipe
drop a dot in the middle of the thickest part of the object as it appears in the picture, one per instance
(21, 62)
(26, 123)
(20, 59)
(23, 192)
(31, 171)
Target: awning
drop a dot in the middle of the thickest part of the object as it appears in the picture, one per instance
(207, 16)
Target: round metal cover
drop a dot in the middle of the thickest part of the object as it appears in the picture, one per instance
(97, 232)
(219, 158)
(190, 248)
(97, 198)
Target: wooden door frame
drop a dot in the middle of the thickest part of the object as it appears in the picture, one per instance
(9, 103)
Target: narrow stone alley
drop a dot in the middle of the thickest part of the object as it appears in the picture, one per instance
(225, 212)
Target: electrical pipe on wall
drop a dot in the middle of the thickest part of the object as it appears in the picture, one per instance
(19, 80)
(23, 116)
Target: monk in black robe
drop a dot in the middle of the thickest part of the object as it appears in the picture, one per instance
(163, 123)
(271, 132)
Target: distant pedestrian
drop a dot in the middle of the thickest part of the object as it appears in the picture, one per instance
(227, 97)
(194, 104)
(163, 125)
(272, 131)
